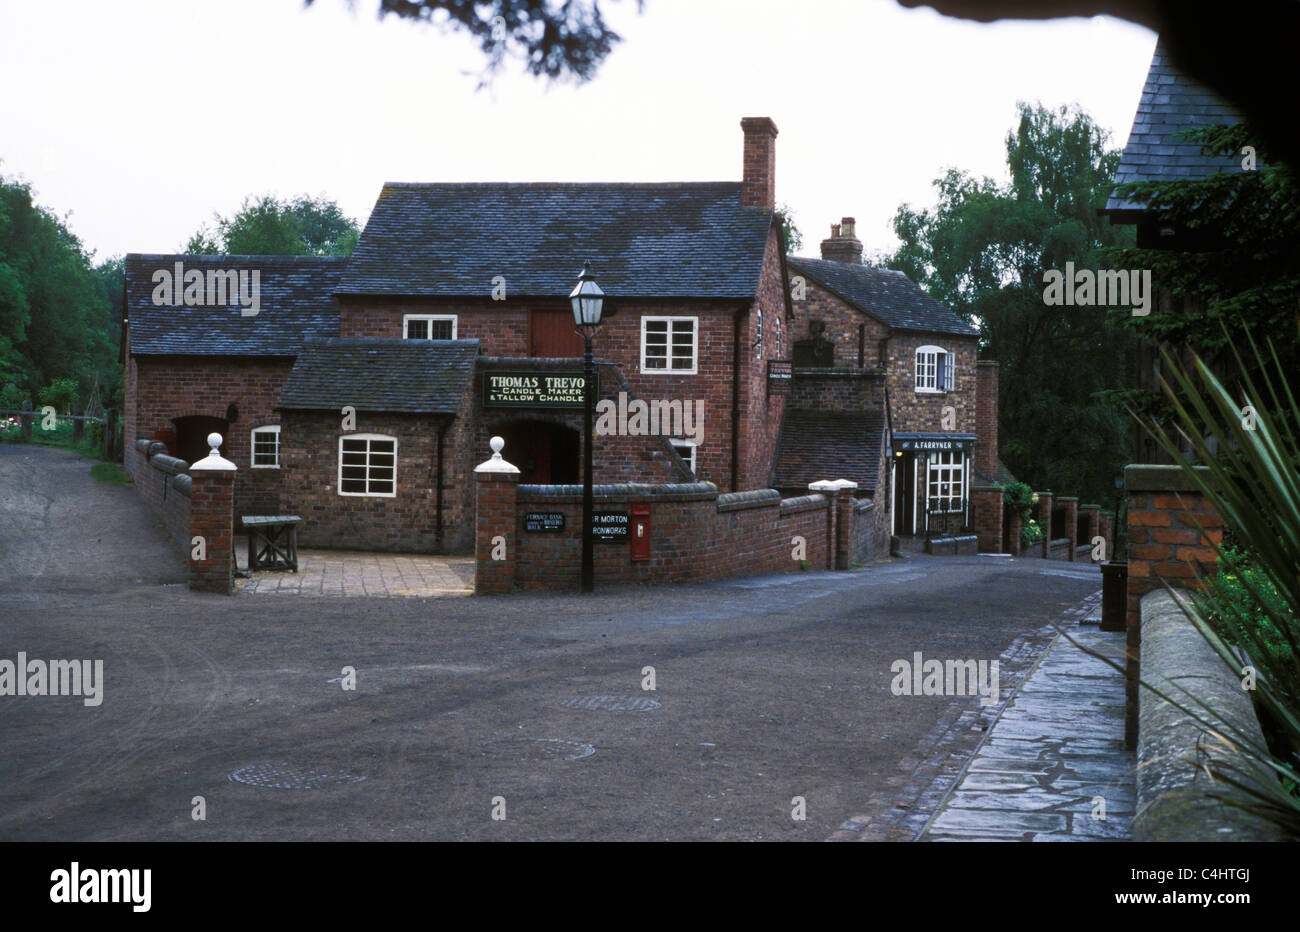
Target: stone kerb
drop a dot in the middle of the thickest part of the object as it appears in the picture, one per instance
(212, 518)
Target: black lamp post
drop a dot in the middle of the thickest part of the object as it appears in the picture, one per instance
(588, 301)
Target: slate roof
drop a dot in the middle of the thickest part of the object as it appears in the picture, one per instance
(817, 445)
(644, 240)
(296, 303)
(885, 294)
(1171, 102)
(375, 374)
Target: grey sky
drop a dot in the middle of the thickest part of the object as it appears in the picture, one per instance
(141, 118)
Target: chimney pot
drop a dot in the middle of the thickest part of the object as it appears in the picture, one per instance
(843, 245)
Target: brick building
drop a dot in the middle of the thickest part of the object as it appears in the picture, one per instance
(360, 393)
(893, 373)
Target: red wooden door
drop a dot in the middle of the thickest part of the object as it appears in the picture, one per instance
(551, 334)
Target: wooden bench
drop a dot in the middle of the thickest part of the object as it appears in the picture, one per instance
(272, 542)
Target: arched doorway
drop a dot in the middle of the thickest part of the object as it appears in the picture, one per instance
(192, 435)
(545, 453)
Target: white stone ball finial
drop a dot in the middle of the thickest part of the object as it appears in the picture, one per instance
(214, 441)
(496, 464)
(497, 444)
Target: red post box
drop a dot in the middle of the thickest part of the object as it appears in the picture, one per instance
(640, 532)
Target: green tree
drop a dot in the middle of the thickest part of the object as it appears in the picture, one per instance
(793, 238)
(55, 316)
(983, 249)
(266, 226)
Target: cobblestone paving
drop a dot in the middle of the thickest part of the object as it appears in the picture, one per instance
(1040, 714)
(358, 573)
(1054, 757)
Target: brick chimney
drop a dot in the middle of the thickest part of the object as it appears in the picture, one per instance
(758, 184)
(844, 245)
(986, 417)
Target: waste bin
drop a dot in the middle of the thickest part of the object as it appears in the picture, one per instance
(1114, 595)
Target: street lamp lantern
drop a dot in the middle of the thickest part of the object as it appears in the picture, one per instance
(588, 301)
(588, 304)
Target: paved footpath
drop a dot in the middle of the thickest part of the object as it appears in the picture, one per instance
(1053, 765)
(357, 573)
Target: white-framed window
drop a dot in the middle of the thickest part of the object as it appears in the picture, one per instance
(935, 369)
(428, 326)
(758, 340)
(686, 449)
(266, 447)
(776, 327)
(368, 465)
(946, 481)
(670, 344)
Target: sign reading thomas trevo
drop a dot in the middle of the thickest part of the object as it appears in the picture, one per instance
(533, 389)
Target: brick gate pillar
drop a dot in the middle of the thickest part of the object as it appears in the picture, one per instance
(1164, 543)
(212, 517)
(987, 502)
(1015, 524)
(1088, 520)
(1044, 518)
(495, 523)
(1071, 503)
(840, 516)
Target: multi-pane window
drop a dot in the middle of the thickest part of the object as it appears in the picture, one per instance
(935, 369)
(429, 326)
(266, 447)
(758, 340)
(686, 449)
(669, 344)
(947, 477)
(776, 326)
(368, 465)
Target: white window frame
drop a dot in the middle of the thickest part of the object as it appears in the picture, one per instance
(951, 463)
(925, 370)
(776, 327)
(669, 369)
(252, 446)
(689, 453)
(367, 438)
(428, 318)
(758, 343)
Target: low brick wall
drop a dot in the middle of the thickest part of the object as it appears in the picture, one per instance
(695, 534)
(872, 537)
(1174, 750)
(164, 486)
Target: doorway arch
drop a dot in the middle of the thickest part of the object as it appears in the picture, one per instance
(545, 452)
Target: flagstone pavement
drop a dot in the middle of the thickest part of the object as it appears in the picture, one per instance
(1053, 767)
(362, 573)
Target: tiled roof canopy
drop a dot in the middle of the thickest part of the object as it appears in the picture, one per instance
(818, 445)
(887, 295)
(296, 303)
(644, 240)
(374, 374)
(1171, 102)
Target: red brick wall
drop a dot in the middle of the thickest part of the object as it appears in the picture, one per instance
(986, 417)
(923, 411)
(167, 387)
(694, 535)
(758, 171)
(309, 450)
(842, 324)
(760, 415)
(837, 390)
(164, 487)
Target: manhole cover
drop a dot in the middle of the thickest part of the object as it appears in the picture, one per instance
(611, 703)
(541, 749)
(281, 776)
